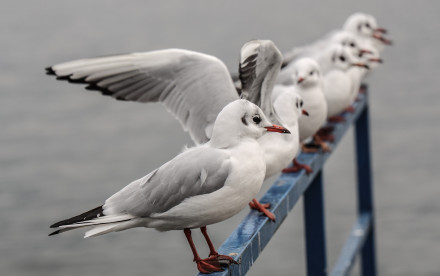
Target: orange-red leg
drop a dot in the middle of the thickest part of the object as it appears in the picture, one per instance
(254, 204)
(215, 261)
(297, 167)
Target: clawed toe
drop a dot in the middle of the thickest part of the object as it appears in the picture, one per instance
(254, 204)
(265, 205)
(214, 263)
(298, 167)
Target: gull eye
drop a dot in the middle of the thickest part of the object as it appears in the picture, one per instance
(256, 119)
(311, 73)
(367, 25)
(301, 104)
(342, 58)
(352, 45)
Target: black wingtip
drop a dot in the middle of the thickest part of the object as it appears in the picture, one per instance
(91, 214)
(50, 71)
(54, 233)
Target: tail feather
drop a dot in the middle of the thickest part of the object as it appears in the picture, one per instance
(101, 230)
(94, 217)
(101, 220)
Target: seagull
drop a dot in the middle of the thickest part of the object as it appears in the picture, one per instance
(194, 87)
(359, 32)
(338, 63)
(366, 28)
(285, 99)
(340, 37)
(203, 185)
(304, 78)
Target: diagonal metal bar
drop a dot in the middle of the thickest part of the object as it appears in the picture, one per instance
(353, 245)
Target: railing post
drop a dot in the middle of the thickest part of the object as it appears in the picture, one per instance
(365, 191)
(314, 222)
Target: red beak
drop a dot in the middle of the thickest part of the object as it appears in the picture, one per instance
(300, 80)
(379, 60)
(276, 128)
(382, 39)
(358, 64)
(381, 30)
(364, 51)
(305, 112)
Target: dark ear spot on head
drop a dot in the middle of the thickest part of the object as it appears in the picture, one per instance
(243, 120)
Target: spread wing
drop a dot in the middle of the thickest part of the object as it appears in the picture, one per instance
(260, 63)
(194, 87)
(197, 171)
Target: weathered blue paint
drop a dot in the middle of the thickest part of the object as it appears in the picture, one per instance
(255, 231)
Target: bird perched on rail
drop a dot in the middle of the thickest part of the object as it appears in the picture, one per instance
(365, 27)
(203, 185)
(304, 78)
(338, 84)
(194, 87)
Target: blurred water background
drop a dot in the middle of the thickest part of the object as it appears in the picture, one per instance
(64, 150)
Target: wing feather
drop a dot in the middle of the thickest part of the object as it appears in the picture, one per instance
(194, 87)
(259, 67)
(205, 170)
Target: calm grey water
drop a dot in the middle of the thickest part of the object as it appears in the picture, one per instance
(64, 150)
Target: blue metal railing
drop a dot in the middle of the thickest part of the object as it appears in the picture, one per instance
(249, 239)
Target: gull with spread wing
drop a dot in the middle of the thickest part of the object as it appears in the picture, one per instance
(194, 87)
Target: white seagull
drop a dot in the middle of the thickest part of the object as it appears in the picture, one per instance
(201, 186)
(340, 37)
(304, 78)
(337, 79)
(359, 32)
(194, 87)
(366, 28)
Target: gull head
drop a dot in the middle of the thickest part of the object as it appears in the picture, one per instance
(349, 40)
(241, 119)
(299, 103)
(365, 25)
(340, 57)
(361, 24)
(337, 57)
(306, 72)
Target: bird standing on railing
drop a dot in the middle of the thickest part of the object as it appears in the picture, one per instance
(194, 88)
(203, 185)
(304, 78)
(337, 83)
(365, 27)
(361, 40)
